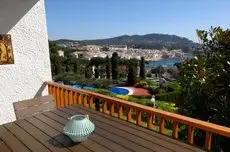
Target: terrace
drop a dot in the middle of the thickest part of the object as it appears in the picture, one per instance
(119, 126)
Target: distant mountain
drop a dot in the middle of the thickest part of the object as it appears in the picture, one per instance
(148, 41)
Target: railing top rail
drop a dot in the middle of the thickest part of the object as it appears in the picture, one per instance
(214, 128)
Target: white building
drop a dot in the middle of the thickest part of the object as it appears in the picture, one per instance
(26, 22)
(60, 53)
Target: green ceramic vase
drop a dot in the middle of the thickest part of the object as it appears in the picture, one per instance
(79, 128)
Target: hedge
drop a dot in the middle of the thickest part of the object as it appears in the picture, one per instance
(169, 96)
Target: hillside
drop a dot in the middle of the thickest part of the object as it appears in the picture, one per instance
(148, 41)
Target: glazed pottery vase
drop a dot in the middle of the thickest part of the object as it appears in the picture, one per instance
(79, 127)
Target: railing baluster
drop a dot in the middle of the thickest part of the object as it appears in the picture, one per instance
(104, 107)
(62, 98)
(129, 114)
(49, 89)
(138, 115)
(190, 134)
(66, 92)
(80, 98)
(70, 97)
(162, 125)
(175, 130)
(149, 120)
(54, 93)
(91, 102)
(120, 112)
(85, 98)
(208, 140)
(74, 98)
(112, 109)
(58, 104)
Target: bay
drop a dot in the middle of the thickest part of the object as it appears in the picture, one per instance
(169, 62)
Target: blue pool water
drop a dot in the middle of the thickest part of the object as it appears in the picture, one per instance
(85, 87)
(168, 62)
(116, 90)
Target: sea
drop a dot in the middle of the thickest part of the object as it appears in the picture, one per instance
(169, 62)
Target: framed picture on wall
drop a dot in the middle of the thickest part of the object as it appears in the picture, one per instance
(6, 49)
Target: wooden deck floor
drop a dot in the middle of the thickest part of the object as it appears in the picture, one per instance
(43, 133)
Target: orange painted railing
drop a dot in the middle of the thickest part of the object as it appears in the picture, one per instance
(65, 96)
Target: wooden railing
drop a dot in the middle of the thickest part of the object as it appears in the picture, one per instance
(65, 96)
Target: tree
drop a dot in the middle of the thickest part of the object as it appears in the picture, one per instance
(88, 72)
(96, 72)
(142, 68)
(114, 61)
(132, 72)
(96, 61)
(108, 67)
(205, 82)
(75, 66)
(57, 64)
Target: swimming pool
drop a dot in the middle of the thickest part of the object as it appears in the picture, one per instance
(84, 87)
(119, 90)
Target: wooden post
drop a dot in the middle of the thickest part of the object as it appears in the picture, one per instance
(58, 104)
(120, 112)
(208, 141)
(104, 107)
(150, 121)
(54, 93)
(162, 125)
(129, 114)
(66, 97)
(138, 115)
(91, 102)
(190, 134)
(49, 89)
(175, 130)
(70, 97)
(74, 98)
(85, 100)
(80, 99)
(112, 109)
(62, 98)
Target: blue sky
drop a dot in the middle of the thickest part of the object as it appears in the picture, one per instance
(93, 19)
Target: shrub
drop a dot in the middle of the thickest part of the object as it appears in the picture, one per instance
(159, 90)
(141, 84)
(68, 78)
(102, 91)
(170, 96)
(173, 85)
(123, 97)
(166, 106)
(102, 83)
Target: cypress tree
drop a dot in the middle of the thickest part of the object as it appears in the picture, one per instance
(114, 65)
(108, 67)
(142, 68)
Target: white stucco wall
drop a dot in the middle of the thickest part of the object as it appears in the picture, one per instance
(25, 20)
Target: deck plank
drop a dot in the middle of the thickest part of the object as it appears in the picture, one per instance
(4, 147)
(15, 144)
(56, 135)
(41, 136)
(44, 132)
(100, 139)
(134, 143)
(89, 144)
(144, 133)
(26, 138)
